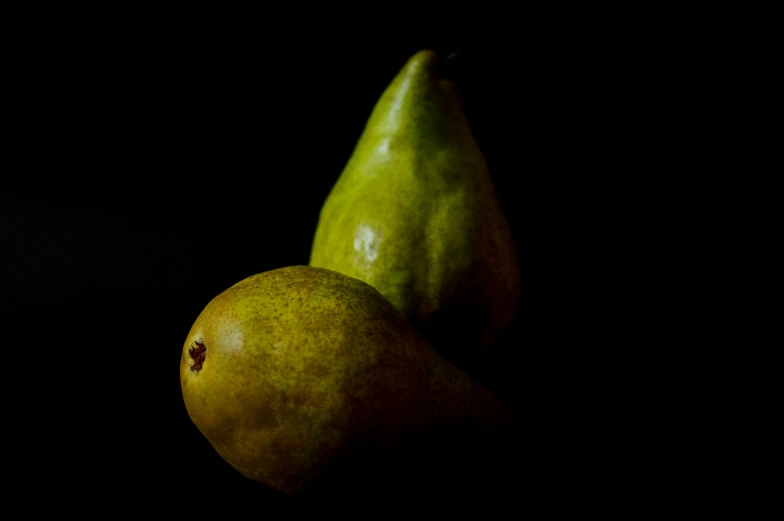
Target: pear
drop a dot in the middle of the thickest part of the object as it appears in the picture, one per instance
(415, 214)
(297, 374)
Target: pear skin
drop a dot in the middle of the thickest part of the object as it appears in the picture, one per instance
(415, 214)
(294, 373)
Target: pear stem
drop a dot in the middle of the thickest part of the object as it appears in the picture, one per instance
(448, 67)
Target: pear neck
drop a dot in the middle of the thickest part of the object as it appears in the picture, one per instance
(418, 106)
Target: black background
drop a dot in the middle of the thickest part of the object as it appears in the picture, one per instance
(140, 179)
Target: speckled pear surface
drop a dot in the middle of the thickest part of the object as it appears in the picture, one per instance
(288, 372)
(415, 214)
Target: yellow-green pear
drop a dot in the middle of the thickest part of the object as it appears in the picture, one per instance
(415, 214)
(295, 374)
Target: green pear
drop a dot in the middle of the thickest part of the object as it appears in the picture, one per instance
(295, 373)
(415, 214)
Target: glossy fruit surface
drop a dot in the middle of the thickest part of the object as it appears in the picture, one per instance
(415, 215)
